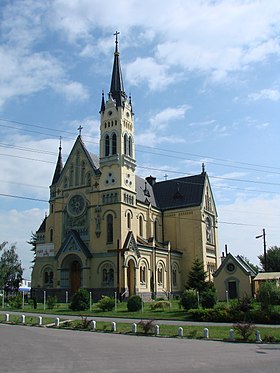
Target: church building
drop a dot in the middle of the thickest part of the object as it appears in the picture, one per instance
(111, 231)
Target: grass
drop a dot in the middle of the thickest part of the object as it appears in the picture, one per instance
(29, 320)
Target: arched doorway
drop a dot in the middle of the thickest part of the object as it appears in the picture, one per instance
(131, 277)
(75, 276)
(71, 273)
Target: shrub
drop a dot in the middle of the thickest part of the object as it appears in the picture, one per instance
(15, 301)
(209, 298)
(160, 305)
(51, 302)
(269, 295)
(146, 325)
(80, 300)
(106, 303)
(189, 299)
(212, 314)
(134, 303)
(245, 330)
(34, 302)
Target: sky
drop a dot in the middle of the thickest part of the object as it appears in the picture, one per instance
(204, 78)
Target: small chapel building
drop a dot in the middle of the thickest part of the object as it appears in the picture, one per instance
(111, 231)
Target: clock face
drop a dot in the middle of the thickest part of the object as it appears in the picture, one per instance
(76, 205)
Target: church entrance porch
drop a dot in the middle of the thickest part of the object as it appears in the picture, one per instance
(131, 278)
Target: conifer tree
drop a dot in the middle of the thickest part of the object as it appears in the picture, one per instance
(197, 276)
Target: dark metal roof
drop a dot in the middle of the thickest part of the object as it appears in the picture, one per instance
(117, 88)
(144, 190)
(58, 168)
(42, 227)
(181, 192)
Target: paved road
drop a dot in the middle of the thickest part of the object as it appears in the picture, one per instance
(30, 349)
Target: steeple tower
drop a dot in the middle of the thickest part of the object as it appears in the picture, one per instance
(117, 162)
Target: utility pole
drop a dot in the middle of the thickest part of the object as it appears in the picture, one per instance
(264, 249)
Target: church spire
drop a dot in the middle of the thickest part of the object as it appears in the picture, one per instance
(59, 165)
(117, 88)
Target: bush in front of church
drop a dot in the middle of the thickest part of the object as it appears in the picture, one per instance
(80, 300)
(134, 303)
(106, 303)
(189, 299)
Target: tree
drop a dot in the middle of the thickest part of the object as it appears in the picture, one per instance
(197, 276)
(250, 264)
(272, 259)
(10, 270)
(32, 242)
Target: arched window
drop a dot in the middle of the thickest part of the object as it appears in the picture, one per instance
(140, 226)
(114, 144)
(83, 173)
(110, 232)
(107, 145)
(48, 278)
(130, 146)
(160, 275)
(65, 182)
(174, 276)
(209, 230)
(77, 169)
(125, 144)
(143, 274)
(51, 235)
(128, 220)
(71, 173)
(107, 275)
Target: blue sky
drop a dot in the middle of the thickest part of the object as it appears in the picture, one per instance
(205, 83)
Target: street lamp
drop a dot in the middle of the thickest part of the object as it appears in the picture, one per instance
(264, 249)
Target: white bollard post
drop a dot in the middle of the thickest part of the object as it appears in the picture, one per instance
(114, 327)
(93, 325)
(134, 328)
(44, 300)
(231, 335)
(23, 300)
(206, 333)
(156, 330)
(66, 296)
(57, 322)
(258, 336)
(180, 332)
(22, 319)
(7, 317)
(90, 301)
(40, 320)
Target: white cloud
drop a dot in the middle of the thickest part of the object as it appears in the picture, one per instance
(265, 94)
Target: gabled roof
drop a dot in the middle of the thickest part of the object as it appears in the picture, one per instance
(131, 244)
(265, 276)
(181, 192)
(245, 267)
(42, 227)
(73, 244)
(144, 192)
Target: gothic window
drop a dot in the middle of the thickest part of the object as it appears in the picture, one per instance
(160, 275)
(209, 230)
(71, 174)
(88, 179)
(77, 170)
(48, 278)
(114, 144)
(130, 146)
(107, 275)
(125, 144)
(140, 226)
(107, 145)
(174, 276)
(83, 173)
(51, 235)
(110, 232)
(143, 274)
(65, 183)
(128, 220)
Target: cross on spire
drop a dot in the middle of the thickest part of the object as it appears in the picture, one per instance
(80, 130)
(116, 35)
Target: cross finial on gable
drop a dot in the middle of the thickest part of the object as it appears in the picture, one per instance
(80, 130)
(116, 35)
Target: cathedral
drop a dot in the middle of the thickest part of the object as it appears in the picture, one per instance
(113, 232)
